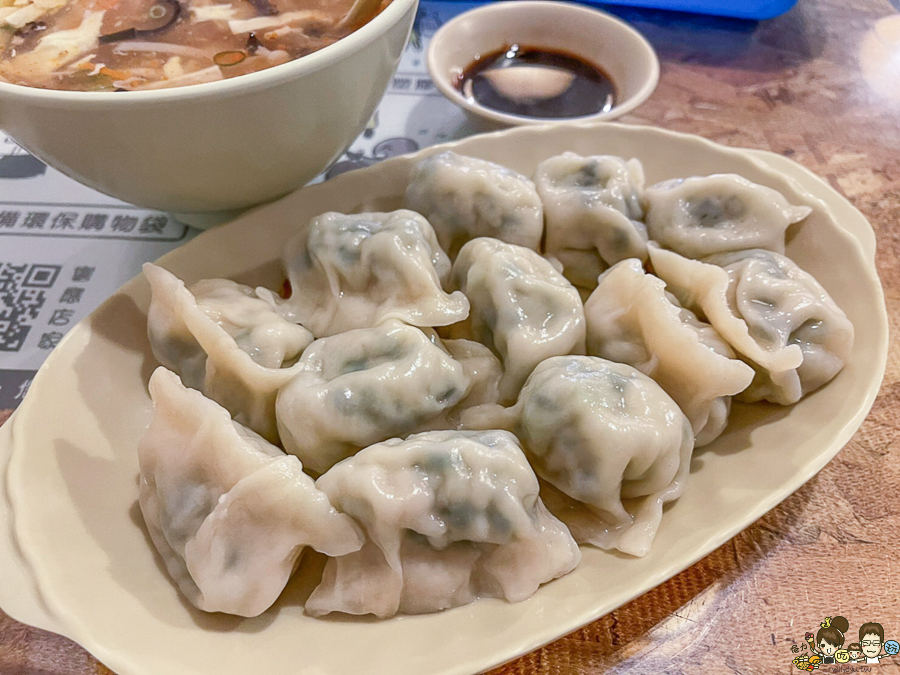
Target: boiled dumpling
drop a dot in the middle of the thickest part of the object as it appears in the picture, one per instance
(631, 319)
(593, 212)
(362, 387)
(772, 312)
(483, 371)
(449, 516)
(464, 197)
(356, 271)
(225, 341)
(228, 512)
(521, 307)
(802, 313)
(702, 215)
(611, 444)
(255, 325)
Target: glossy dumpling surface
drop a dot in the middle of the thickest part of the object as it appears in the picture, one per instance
(226, 341)
(362, 387)
(631, 319)
(702, 215)
(356, 271)
(228, 512)
(483, 371)
(776, 315)
(593, 213)
(785, 305)
(611, 444)
(464, 197)
(522, 308)
(449, 516)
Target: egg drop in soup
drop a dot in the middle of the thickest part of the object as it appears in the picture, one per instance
(126, 45)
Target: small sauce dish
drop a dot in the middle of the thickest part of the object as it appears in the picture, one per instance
(536, 61)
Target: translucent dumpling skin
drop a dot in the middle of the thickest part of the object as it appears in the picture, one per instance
(448, 399)
(365, 386)
(783, 305)
(611, 442)
(483, 371)
(449, 516)
(228, 512)
(223, 339)
(521, 307)
(631, 319)
(702, 215)
(255, 325)
(774, 314)
(356, 271)
(464, 198)
(593, 212)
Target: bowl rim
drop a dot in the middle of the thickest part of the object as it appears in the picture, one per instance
(261, 79)
(442, 82)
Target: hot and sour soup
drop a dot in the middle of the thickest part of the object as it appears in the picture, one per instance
(122, 45)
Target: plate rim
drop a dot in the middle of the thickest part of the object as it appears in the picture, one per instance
(863, 240)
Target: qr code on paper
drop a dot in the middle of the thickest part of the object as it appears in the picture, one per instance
(23, 291)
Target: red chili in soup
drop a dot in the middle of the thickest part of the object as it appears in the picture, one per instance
(124, 45)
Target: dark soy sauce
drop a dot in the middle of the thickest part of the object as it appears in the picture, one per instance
(532, 82)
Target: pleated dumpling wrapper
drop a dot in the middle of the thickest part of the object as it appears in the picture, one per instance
(522, 308)
(593, 213)
(366, 386)
(611, 447)
(465, 197)
(702, 215)
(631, 319)
(776, 315)
(449, 517)
(229, 512)
(356, 271)
(226, 341)
(483, 370)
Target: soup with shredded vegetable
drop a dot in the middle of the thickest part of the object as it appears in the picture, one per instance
(125, 45)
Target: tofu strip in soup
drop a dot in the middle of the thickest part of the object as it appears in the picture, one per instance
(124, 45)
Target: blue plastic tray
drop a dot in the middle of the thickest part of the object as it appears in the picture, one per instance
(741, 9)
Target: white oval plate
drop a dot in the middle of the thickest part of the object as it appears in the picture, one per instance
(72, 477)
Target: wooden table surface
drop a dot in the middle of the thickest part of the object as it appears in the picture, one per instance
(821, 85)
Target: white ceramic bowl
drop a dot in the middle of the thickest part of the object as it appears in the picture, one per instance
(218, 146)
(594, 36)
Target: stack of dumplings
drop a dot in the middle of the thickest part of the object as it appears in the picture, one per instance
(452, 397)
